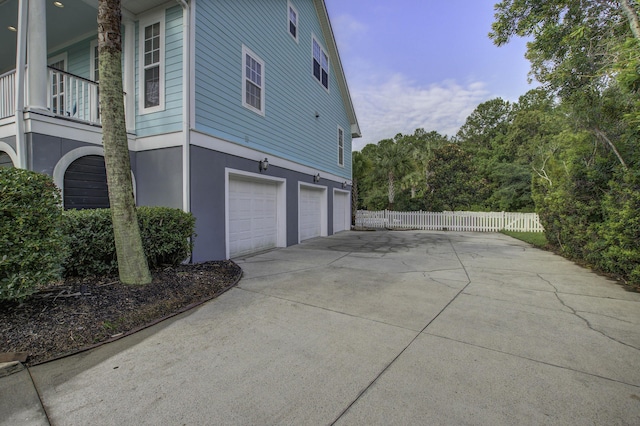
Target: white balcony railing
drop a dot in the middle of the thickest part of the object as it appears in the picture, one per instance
(73, 97)
(8, 94)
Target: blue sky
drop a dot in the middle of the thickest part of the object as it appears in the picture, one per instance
(422, 63)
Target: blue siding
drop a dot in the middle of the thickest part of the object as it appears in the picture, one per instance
(78, 55)
(289, 127)
(169, 120)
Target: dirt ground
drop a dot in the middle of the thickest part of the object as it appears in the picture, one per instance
(78, 313)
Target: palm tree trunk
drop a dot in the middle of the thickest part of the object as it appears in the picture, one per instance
(392, 190)
(132, 263)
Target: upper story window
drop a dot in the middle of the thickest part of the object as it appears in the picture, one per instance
(252, 81)
(152, 64)
(293, 21)
(320, 64)
(94, 64)
(340, 146)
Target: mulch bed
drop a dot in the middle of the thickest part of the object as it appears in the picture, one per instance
(78, 313)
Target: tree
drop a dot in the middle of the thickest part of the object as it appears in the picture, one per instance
(578, 51)
(453, 183)
(393, 163)
(132, 264)
(361, 166)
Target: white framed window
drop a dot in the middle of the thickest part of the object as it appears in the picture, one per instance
(151, 63)
(57, 87)
(292, 14)
(340, 146)
(320, 64)
(253, 92)
(94, 71)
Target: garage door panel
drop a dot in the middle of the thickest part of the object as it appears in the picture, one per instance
(341, 216)
(252, 216)
(310, 205)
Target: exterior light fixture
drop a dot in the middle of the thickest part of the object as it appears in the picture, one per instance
(317, 114)
(344, 184)
(58, 4)
(263, 165)
(316, 178)
(12, 28)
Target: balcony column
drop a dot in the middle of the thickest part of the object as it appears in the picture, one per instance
(37, 75)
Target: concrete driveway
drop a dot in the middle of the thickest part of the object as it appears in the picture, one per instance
(366, 328)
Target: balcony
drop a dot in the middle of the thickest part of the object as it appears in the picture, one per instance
(68, 96)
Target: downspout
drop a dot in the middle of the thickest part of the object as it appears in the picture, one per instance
(186, 105)
(21, 54)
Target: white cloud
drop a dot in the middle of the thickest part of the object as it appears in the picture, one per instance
(397, 104)
(348, 31)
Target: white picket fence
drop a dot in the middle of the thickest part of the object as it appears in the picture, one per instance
(451, 221)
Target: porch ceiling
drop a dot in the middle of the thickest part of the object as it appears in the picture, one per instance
(76, 20)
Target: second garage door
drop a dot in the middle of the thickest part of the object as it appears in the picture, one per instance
(312, 206)
(253, 216)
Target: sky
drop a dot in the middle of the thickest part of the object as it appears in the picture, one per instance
(425, 64)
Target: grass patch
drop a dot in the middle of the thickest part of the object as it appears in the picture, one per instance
(536, 238)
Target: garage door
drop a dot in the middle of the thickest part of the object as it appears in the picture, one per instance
(311, 207)
(253, 224)
(341, 216)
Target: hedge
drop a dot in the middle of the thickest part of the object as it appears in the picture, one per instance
(33, 246)
(167, 239)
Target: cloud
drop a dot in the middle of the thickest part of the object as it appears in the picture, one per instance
(348, 32)
(396, 104)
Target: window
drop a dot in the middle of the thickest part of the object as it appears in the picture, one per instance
(320, 64)
(340, 146)
(151, 64)
(293, 22)
(252, 81)
(94, 62)
(58, 62)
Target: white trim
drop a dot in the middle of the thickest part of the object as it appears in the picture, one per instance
(323, 209)
(347, 216)
(246, 51)
(281, 204)
(146, 21)
(207, 141)
(323, 51)
(186, 106)
(70, 157)
(129, 74)
(93, 45)
(8, 127)
(192, 67)
(295, 10)
(340, 129)
(51, 126)
(59, 57)
(5, 147)
(165, 140)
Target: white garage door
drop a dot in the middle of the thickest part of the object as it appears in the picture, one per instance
(310, 205)
(253, 224)
(341, 217)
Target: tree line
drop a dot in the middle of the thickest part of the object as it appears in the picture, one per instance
(567, 149)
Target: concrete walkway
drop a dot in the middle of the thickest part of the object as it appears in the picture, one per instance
(367, 328)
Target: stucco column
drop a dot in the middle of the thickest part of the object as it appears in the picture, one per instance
(37, 75)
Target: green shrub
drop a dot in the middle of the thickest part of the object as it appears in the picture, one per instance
(32, 243)
(167, 238)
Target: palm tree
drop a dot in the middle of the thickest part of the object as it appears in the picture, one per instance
(132, 264)
(393, 162)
